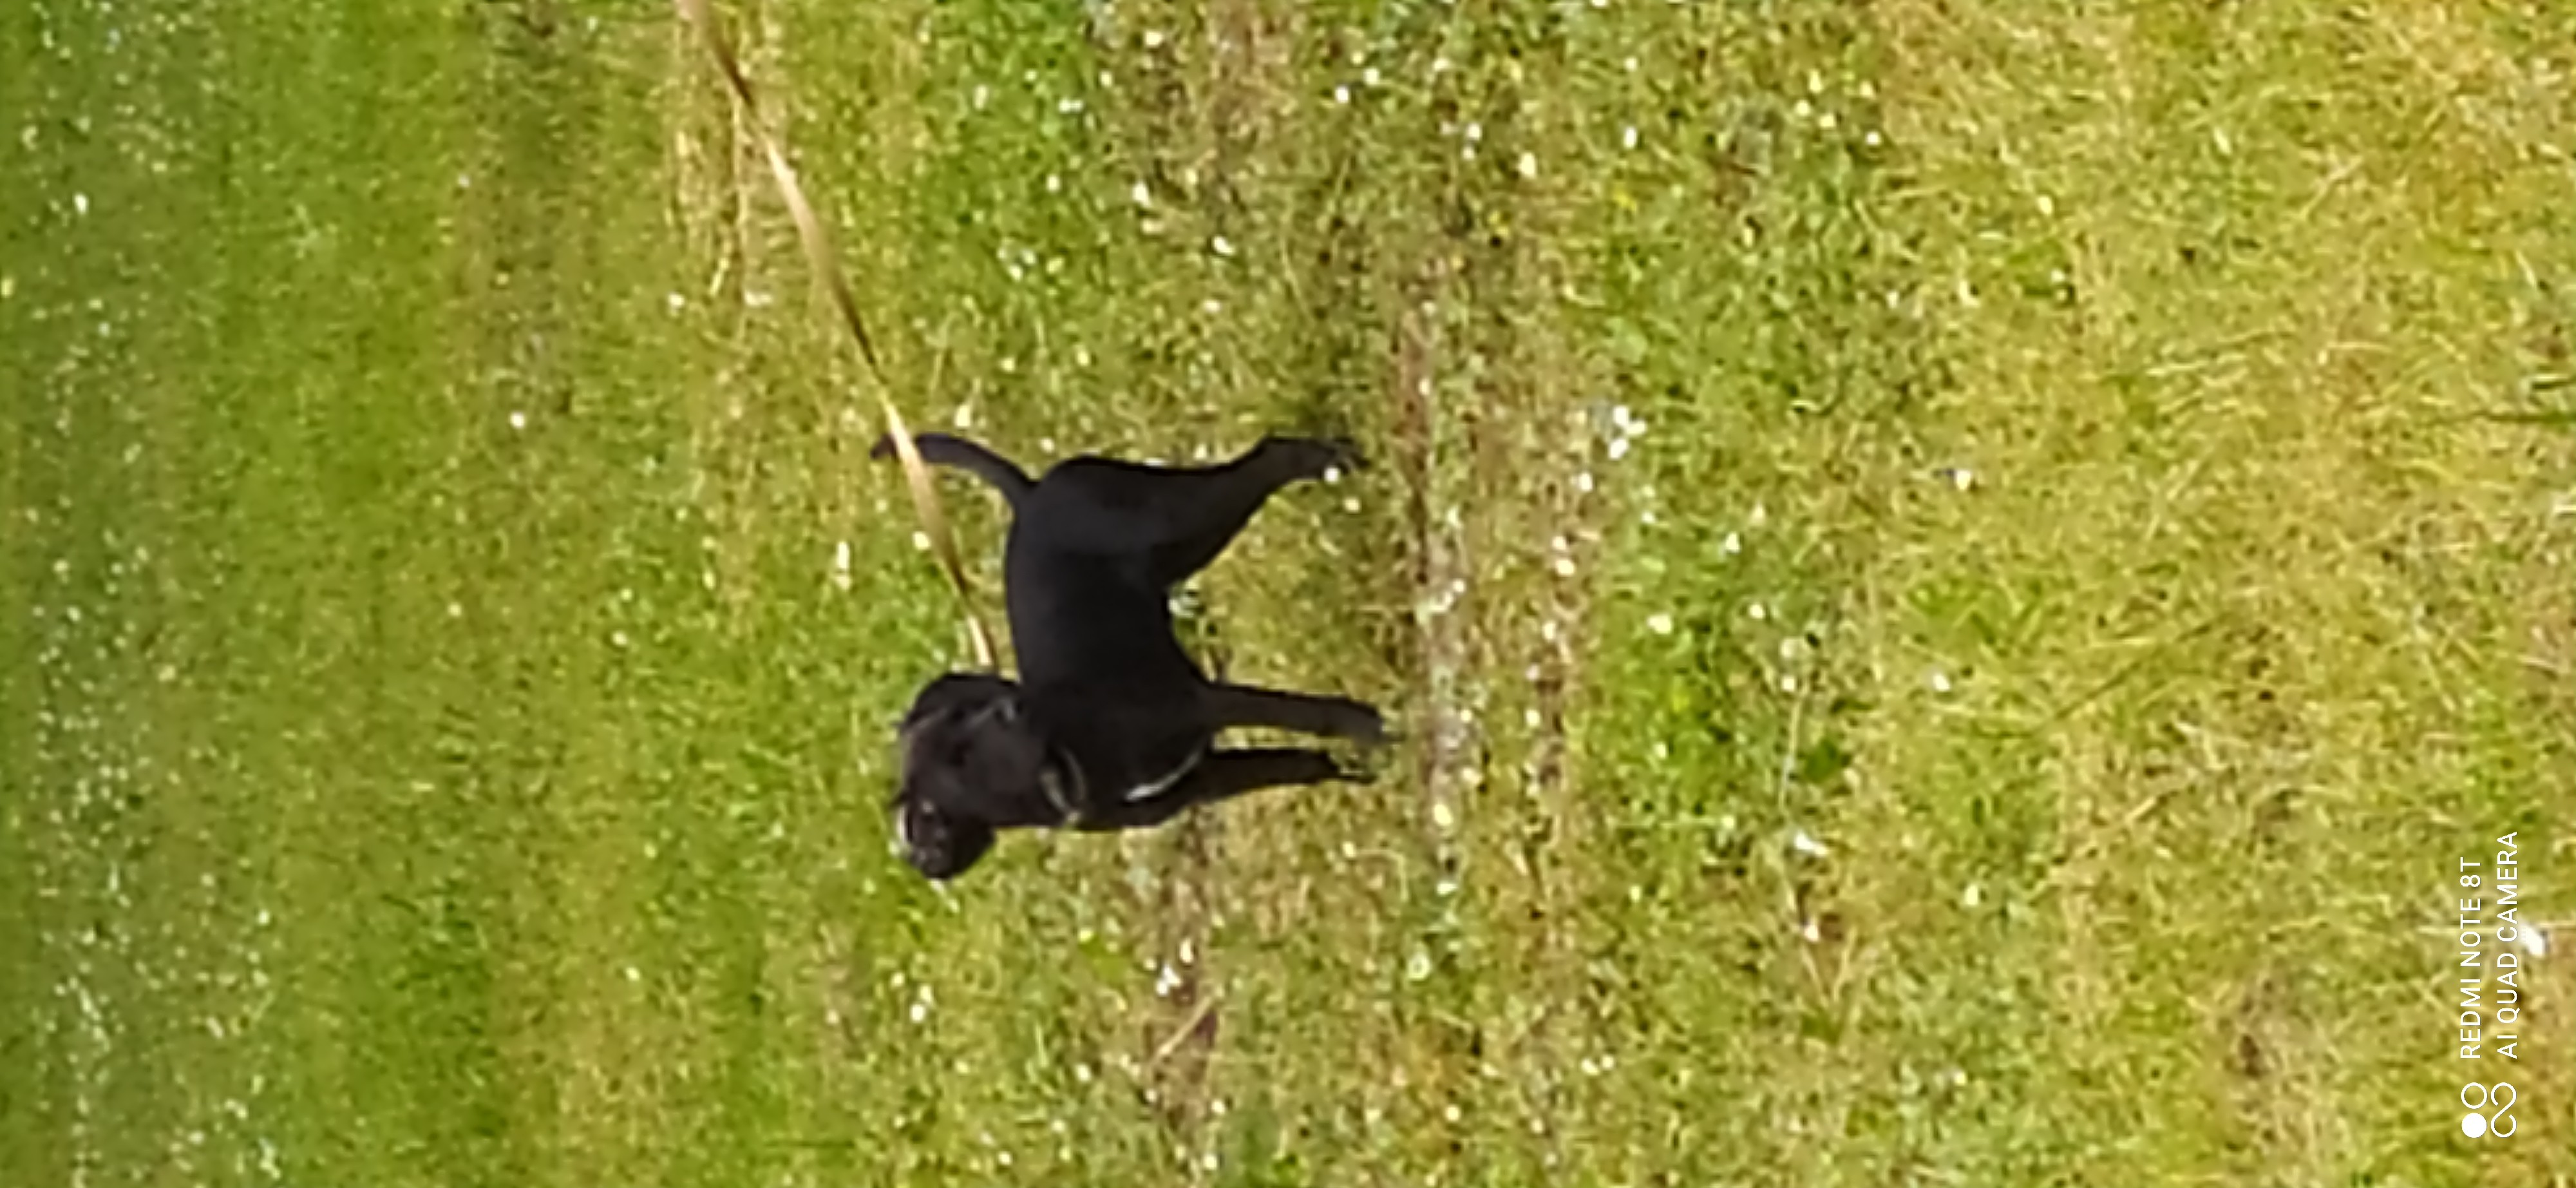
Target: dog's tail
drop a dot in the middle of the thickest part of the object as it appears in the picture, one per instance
(941, 449)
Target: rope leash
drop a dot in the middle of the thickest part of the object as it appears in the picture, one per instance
(827, 270)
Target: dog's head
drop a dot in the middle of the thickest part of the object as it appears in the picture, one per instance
(965, 743)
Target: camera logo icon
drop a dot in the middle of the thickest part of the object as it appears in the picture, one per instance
(2490, 1110)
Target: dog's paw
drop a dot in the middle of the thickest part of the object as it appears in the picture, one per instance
(1315, 457)
(884, 447)
(1361, 723)
(1345, 454)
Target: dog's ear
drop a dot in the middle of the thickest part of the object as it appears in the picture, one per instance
(941, 847)
(961, 694)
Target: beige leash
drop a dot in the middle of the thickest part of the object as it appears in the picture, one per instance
(827, 269)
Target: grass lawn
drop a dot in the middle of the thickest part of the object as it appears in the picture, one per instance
(1960, 579)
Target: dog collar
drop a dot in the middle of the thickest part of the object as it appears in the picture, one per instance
(1053, 776)
(1148, 791)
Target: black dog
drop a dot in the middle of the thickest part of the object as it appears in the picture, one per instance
(1112, 725)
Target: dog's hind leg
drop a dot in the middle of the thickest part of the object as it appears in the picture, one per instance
(1178, 518)
(1221, 775)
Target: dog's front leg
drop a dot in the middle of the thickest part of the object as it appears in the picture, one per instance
(1305, 713)
(1220, 775)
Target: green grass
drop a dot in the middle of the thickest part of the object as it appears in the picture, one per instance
(1958, 578)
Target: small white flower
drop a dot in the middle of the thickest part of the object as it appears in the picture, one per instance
(1939, 680)
(1529, 165)
(1973, 896)
(1221, 246)
(1660, 623)
(1140, 194)
(1628, 137)
(518, 420)
(1341, 94)
(1808, 845)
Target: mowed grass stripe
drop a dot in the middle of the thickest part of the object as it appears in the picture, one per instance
(2222, 363)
